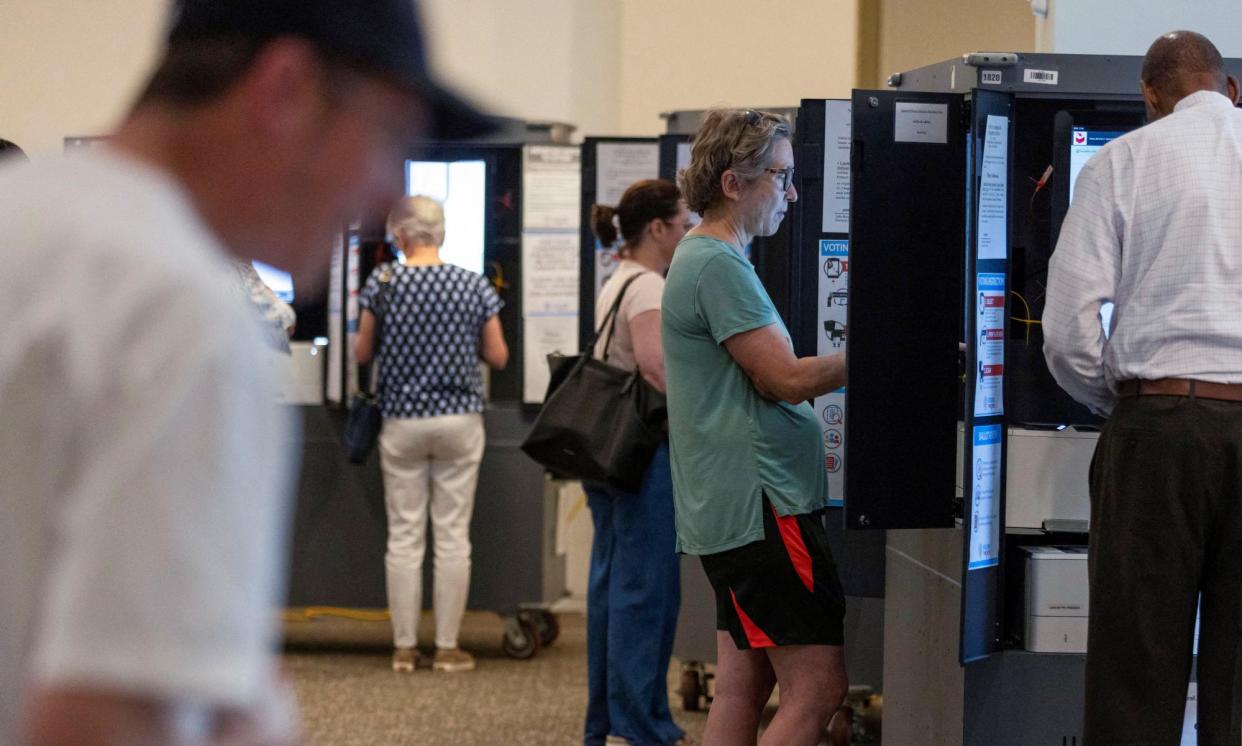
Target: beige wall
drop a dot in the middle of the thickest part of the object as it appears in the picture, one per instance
(694, 54)
(70, 67)
(535, 59)
(913, 33)
(608, 66)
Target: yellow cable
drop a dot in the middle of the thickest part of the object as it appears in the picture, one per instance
(310, 613)
(1028, 321)
(499, 281)
(1025, 305)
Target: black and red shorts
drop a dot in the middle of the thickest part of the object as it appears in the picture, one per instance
(782, 590)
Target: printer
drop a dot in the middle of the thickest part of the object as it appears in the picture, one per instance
(1056, 599)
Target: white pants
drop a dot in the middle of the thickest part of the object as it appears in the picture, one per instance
(429, 461)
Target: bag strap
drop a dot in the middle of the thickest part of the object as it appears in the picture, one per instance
(385, 282)
(610, 319)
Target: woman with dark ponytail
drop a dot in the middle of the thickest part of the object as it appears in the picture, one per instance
(635, 591)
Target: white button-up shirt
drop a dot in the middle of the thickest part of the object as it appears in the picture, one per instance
(1156, 228)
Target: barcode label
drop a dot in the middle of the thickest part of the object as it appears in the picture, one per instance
(1043, 77)
(990, 77)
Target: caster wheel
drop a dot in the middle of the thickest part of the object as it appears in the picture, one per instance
(548, 626)
(691, 690)
(521, 640)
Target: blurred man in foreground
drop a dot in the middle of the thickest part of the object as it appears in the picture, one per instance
(144, 471)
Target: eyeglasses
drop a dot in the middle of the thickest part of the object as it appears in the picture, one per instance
(685, 227)
(786, 176)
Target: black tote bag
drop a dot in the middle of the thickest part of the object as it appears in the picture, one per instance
(363, 421)
(599, 423)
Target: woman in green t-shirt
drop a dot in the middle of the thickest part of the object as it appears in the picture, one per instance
(746, 449)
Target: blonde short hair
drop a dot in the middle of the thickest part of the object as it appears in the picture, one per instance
(729, 139)
(417, 221)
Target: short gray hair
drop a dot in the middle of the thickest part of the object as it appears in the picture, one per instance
(418, 221)
(729, 139)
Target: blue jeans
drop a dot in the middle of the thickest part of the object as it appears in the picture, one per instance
(632, 604)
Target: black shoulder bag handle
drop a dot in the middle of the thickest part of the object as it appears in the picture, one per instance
(561, 366)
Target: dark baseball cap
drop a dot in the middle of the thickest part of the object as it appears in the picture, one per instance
(380, 36)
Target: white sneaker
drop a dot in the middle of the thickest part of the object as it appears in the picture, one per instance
(452, 660)
(403, 660)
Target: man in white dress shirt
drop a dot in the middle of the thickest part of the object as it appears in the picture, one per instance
(144, 470)
(1156, 228)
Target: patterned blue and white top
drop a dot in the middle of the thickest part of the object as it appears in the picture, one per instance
(430, 319)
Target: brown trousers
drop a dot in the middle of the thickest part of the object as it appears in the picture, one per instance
(1166, 526)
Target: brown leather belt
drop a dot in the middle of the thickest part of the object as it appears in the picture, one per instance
(1181, 387)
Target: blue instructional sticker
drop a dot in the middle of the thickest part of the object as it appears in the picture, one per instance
(834, 247)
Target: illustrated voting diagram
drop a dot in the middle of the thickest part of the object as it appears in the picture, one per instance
(833, 301)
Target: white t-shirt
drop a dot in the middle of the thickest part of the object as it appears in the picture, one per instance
(144, 467)
(641, 296)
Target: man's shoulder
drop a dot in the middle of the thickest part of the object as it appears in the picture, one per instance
(95, 202)
(109, 244)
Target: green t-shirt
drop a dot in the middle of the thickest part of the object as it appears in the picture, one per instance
(729, 445)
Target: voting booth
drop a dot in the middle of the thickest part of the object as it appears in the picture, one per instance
(950, 188)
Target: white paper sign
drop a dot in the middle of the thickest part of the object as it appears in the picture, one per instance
(919, 122)
(336, 315)
(606, 261)
(990, 345)
(620, 164)
(683, 160)
(683, 155)
(543, 335)
(984, 498)
(551, 187)
(353, 285)
(836, 166)
(549, 273)
(834, 267)
(994, 190)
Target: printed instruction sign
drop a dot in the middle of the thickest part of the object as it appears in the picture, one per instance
(683, 161)
(551, 194)
(920, 122)
(620, 164)
(336, 313)
(984, 494)
(549, 305)
(994, 190)
(551, 187)
(550, 274)
(606, 260)
(834, 267)
(837, 136)
(617, 166)
(990, 344)
(543, 335)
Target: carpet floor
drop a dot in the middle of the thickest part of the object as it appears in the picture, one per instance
(349, 695)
